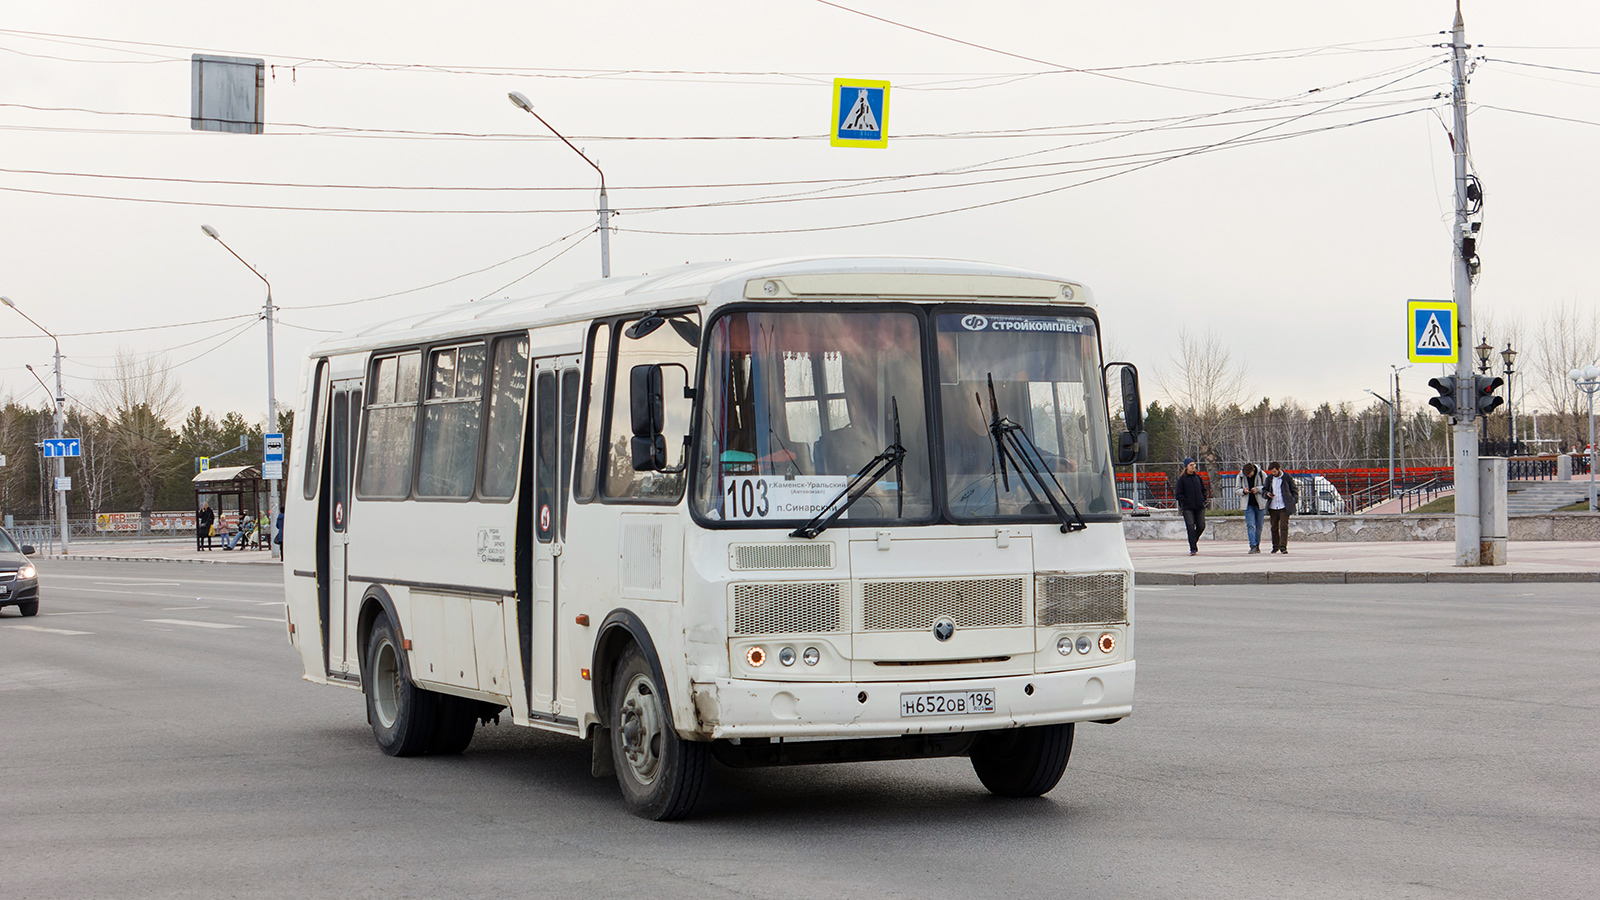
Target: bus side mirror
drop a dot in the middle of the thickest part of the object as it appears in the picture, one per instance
(647, 407)
(1133, 445)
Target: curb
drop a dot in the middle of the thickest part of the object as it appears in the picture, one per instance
(165, 559)
(1207, 579)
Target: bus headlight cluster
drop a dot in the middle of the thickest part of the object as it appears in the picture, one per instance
(756, 657)
(1083, 644)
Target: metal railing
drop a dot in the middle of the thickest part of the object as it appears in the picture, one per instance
(1423, 494)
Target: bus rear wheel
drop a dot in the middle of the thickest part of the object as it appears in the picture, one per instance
(454, 723)
(660, 774)
(402, 714)
(1023, 762)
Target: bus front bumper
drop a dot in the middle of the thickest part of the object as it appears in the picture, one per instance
(740, 708)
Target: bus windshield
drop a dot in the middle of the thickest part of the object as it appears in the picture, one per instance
(798, 402)
(1044, 369)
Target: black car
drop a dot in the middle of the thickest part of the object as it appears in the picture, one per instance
(19, 580)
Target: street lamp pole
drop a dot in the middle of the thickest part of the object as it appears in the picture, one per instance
(1509, 356)
(1390, 404)
(523, 103)
(61, 463)
(272, 395)
(1587, 380)
(1399, 410)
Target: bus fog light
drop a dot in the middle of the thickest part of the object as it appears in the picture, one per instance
(755, 656)
(786, 656)
(1108, 642)
(1083, 643)
(1064, 646)
(811, 656)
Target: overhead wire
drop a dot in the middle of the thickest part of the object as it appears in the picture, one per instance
(547, 262)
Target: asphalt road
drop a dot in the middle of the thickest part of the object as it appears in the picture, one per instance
(1299, 741)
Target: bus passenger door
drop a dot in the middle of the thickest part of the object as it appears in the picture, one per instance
(346, 414)
(553, 422)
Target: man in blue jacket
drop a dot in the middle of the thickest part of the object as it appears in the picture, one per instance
(1192, 497)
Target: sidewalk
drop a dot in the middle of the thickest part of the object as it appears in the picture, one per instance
(173, 550)
(1372, 562)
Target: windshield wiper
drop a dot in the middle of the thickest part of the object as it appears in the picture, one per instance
(1015, 451)
(892, 457)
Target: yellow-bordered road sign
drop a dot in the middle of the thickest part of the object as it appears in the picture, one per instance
(860, 113)
(1431, 331)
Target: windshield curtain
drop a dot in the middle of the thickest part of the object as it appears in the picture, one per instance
(1046, 374)
(797, 402)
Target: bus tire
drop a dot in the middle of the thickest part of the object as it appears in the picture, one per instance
(454, 723)
(1023, 762)
(661, 775)
(402, 714)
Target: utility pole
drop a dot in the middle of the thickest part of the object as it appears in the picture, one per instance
(1469, 529)
(60, 467)
(1399, 412)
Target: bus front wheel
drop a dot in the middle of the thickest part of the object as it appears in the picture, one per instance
(402, 714)
(660, 774)
(1023, 762)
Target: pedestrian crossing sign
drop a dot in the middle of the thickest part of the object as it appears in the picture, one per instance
(1432, 331)
(860, 113)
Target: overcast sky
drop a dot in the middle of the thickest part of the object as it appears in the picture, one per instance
(1299, 251)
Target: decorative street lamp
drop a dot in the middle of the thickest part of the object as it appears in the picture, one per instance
(1509, 355)
(1587, 379)
(1483, 356)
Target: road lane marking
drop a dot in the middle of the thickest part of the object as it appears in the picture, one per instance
(138, 583)
(177, 608)
(262, 619)
(192, 624)
(91, 612)
(48, 630)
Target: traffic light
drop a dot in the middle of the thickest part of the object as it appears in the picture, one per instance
(1483, 388)
(1445, 403)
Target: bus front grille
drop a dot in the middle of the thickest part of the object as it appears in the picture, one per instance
(969, 602)
(1082, 599)
(787, 607)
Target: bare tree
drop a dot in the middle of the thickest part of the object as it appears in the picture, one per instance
(1206, 386)
(1568, 337)
(143, 396)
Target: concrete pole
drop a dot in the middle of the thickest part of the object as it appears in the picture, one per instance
(1468, 528)
(272, 428)
(61, 463)
(605, 232)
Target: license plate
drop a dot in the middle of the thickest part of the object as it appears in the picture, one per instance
(948, 703)
(5, 590)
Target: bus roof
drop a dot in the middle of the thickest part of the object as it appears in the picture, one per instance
(819, 278)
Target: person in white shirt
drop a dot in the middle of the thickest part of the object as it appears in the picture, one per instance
(1283, 497)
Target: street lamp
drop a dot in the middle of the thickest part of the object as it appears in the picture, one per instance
(61, 463)
(272, 396)
(1483, 356)
(1587, 379)
(523, 103)
(1390, 404)
(1509, 355)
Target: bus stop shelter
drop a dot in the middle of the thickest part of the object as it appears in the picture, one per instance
(235, 494)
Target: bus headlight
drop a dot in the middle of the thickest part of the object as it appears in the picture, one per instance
(755, 656)
(1084, 643)
(811, 656)
(1064, 646)
(1108, 642)
(786, 656)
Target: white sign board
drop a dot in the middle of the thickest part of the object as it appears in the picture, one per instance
(225, 94)
(272, 471)
(756, 497)
(64, 483)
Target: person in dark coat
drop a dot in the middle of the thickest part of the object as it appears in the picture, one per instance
(1283, 498)
(202, 527)
(1192, 497)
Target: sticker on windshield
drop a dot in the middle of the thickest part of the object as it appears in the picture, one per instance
(775, 497)
(1011, 324)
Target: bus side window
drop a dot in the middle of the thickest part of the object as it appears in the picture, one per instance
(508, 396)
(597, 371)
(668, 347)
(313, 443)
(452, 420)
(390, 427)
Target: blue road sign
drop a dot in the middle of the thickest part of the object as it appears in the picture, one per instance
(860, 113)
(54, 447)
(272, 445)
(1432, 331)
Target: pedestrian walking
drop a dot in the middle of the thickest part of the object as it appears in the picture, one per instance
(1251, 483)
(202, 527)
(1192, 496)
(1283, 498)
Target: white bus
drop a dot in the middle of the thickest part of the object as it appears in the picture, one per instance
(801, 511)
